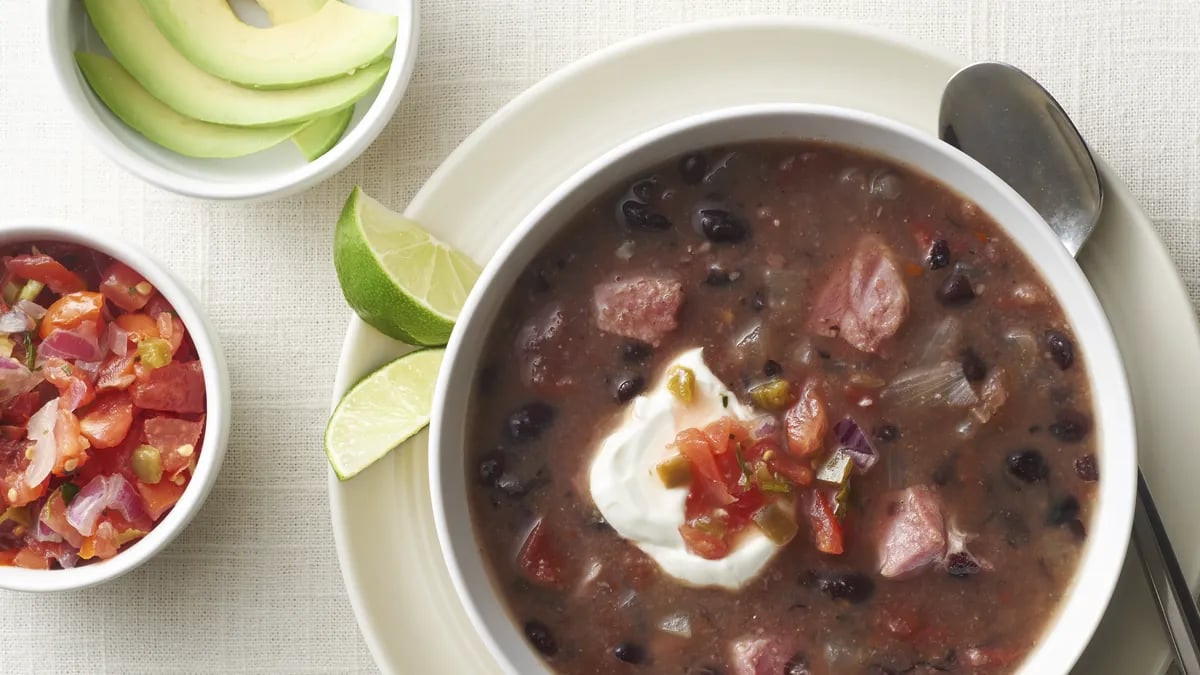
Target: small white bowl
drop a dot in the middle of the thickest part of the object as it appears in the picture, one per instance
(1108, 537)
(275, 172)
(216, 421)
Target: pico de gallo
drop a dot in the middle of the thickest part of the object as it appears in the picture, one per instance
(102, 406)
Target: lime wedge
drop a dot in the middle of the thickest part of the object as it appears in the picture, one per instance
(386, 408)
(396, 276)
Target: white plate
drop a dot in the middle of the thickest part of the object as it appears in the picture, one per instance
(383, 521)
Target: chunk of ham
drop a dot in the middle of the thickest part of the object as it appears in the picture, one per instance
(863, 300)
(912, 532)
(643, 308)
(758, 656)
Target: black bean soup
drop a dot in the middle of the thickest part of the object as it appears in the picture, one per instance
(923, 455)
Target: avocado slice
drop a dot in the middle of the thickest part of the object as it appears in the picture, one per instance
(319, 137)
(153, 119)
(141, 49)
(335, 41)
(284, 11)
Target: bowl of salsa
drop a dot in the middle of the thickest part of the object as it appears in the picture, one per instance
(114, 408)
(783, 389)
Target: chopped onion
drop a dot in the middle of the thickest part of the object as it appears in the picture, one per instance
(117, 339)
(856, 444)
(91, 368)
(678, 623)
(885, 184)
(1025, 343)
(104, 492)
(943, 343)
(943, 383)
(993, 395)
(956, 543)
(66, 557)
(764, 426)
(625, 250)
(16, 321)
(32, 309)
(15, 379)
(785, 289)
(43, 533)
(750, 346)
(804, 352)
(40, 430)
(70, 345)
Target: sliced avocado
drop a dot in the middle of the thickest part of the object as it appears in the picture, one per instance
(335, 41)
(285, 11)
(153, 119)
(142, 50)
(319, 137)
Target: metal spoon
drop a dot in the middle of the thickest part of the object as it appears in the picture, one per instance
(1003, 118)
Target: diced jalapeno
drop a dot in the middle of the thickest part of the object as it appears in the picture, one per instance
(769, 482)
(841, 501)
(772, 395)
(17, 514)
(154, 352)
(31, 290)
(775, 523)
(836, 469)
(709, 525)
(129, 535)
(681, 382)
(147, 464)
(674, 471)
(6, 346)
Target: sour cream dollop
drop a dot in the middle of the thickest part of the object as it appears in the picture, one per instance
(634, 501)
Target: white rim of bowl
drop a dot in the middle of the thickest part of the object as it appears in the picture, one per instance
(353, 144)
(216, 421)
(1098, 561)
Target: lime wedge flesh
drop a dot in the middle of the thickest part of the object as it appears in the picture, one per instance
(397, 277)
(382, 411)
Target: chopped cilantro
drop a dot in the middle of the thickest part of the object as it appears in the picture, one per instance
(724, 401)
(69, 490)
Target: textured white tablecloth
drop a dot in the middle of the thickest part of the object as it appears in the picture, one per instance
(253, 584)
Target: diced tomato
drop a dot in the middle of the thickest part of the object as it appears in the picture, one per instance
(158, 498)
(175, 438)
(704, 544)
(47, 270)
(175, 387)
(73, 387)
(539, 558)
(21, 407)
(54, 514)
(8, 557)
(106, 423)
(707, 478)
(806, 422)
(31, 559)
(17, 493)
(171, 329)
(116, 372)
(799, 474)
(115, 460)
(124, 287)
(139, 326)
(157, 305)
(725, 434)
(72, 447)
(70, 311)
(826, 529)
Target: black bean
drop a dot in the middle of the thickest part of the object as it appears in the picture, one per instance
(939, 254)
(1028, 465)
(529, 421)
(797, 665)
(718, 276)
(1071, 427)
(1062, 351)
(850, 586)
(956, 290)
(961, 565)
(635, 351)
(887, 433)
(772, 368)
(541, 638)
(720, 226)
(1086, 469)
(628, 386)
(1063, 511)
(644, 190)
(692, 168)
(630, 652)
(973, 366)
(758, 302)
(635, 215)
(491, 467)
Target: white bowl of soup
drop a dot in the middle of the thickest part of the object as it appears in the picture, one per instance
(783, 389)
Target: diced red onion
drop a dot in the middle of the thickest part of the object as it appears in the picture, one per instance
(16, 321)
(104, 492)
(66, 557)
(90, 368)
(70, 345)
(943, 383)
(40, 430)
(32, 309)
(117, 339)
(851, 437)
(764, 426)
(15, 379)
(43, 533)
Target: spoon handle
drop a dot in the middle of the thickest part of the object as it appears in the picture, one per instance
(1171, 590)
